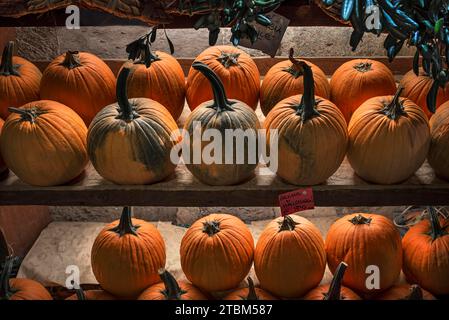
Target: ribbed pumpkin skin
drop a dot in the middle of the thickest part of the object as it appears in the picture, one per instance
(3, 167)
(94, 295)
(386, 151)
(163, 81)
(311, 151)
(320, 292)
(27, 289)
(376, 243)
(241, 294)
(127, 265)
(155, 292)
(416, 89)
(426, 261)
(15, 91)
(241, 117)
(221, 261)
(400, 292)
(135, 152)
(241, 81)
(86, 88)
(439, 141)
(350, 86)
(279, 84)
(290, 263)
(51, 151)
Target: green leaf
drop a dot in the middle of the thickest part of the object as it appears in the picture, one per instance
(438, 25)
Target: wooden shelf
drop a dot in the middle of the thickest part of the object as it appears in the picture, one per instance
(344, 188)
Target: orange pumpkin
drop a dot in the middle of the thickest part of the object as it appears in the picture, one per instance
(81, 81)
(334, 290)
(222, 114)
(416, 88)
(129, 142)
(158, 77)
(358, 80)
(235, 68)
(3, 167)
(206, 259)
(312, 135)
(249, 293)
(389, 138)
(426, 254)
(44, 143)
(286, 79)
(365, 240)
(19, 81)
(289, 259)
(18, 288)
(127, 255)
(170, 289)
(439, 141)
(91, 295)
(405, 292)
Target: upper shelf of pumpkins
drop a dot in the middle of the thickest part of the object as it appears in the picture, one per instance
(359, 114)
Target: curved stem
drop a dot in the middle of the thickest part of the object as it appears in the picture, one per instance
(295, 69)
(288, 224)
(415, 293)
(359, 219)
(252, 295)
(435, 227)
(6, 67)
(125, 225)
(394, 109)
(211, 227)
(147, 57)
(221, 102)
(5, 290)
(71, 60)
(80, 295)
(172, 289)
(26, 114)
(127, 112)
(334, 292)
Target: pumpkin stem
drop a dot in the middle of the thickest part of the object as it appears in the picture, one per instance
(363, 66)
(26, 114)
(306, 108)
(296, 69)
(6, 67)
(71, 60)
(125, 225)
(395, 109)
(211, 227)
(334, 292)
(127, 112)
(172, 289)
(146, 56)
(229, 59)
(5, 290)
(252, 295)
(359, 219)
(415, 293)
(80, 295)
(288, 224)
(436, 230)
(221, 102)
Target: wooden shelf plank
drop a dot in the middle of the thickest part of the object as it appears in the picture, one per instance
(344, 188)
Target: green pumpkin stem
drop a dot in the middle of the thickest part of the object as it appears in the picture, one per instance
(394, 110)
(71, 60)
(26, 114)
(359, 219)
(80, 295)
(172, 289)
(221, 102)
(307, 107)
(7, 68)
(334, 292)
(5, 290)
(295, 69)
(287, 224)
(252, 295)
(435, 231)
(127, 112)
(211, 227)
(415, 293)
(125, 225)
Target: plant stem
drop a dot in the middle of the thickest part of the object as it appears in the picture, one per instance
(211, 227)
(295, 69)
(80, 295)
(288, 224)
(334, 292)
(394, 110)
(71, 60)
(172, 289)
(6, 67)
(147, 58)
(5, 290)
(415, 293)
(125, 225)
(126, 109)
(252, 295)
(26, 114)
(359, 219)
(435, 227)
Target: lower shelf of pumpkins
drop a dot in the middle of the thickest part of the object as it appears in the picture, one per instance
(359, 256)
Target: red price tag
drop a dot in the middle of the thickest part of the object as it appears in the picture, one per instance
(295, 201)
